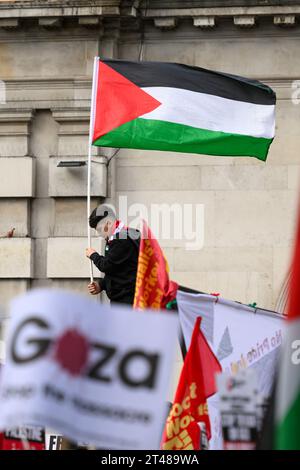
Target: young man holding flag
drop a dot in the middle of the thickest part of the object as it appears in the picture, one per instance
(119, 264)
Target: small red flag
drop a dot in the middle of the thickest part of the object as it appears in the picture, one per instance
(196, 384)
(294, 290)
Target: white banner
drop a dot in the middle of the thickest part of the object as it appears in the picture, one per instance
(238, 406)
(93, 373)
(239, 335)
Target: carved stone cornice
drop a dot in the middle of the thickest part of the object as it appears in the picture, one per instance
(57, 14)
(131, 14)
(207, 17)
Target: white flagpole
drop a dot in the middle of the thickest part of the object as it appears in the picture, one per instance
(92, 120)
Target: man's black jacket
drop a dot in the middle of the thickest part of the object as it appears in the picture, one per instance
(119, 264)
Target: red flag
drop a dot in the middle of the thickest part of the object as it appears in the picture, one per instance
(294, 290)
(153, 287)
(196, 384)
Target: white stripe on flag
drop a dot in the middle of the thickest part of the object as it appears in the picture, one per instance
(212, 112)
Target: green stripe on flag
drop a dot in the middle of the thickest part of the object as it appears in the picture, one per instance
(287, 436)
(167, 136)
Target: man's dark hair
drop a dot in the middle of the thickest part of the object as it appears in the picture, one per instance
(101, 212)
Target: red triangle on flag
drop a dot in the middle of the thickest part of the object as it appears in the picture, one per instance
(118, 101)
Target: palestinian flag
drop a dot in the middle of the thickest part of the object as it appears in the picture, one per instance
(179, 108)
(287, 408)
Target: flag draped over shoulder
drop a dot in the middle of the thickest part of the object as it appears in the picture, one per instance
(180, 108)
(287, 401)
(196, 384)
(153, 287)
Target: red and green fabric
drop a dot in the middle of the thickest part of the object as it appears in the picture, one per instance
(287, 411)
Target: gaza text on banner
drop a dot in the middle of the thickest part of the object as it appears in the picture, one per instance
(71, 367)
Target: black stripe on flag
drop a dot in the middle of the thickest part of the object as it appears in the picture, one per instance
(165, 74)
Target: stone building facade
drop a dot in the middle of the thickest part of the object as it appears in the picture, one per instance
(46, 58)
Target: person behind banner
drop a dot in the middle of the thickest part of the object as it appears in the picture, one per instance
(119, 264)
